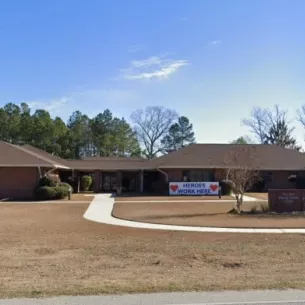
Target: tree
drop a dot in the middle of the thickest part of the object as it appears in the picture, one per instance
(43, 131)
(125, 142)
(79, 134)
(242, 140)
(241, 172)
(271, 127)
(280, 134)
(151, 125)
(258, 123)
(180, 134)
(12, 119)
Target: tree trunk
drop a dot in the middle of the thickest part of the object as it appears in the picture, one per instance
(239, 202)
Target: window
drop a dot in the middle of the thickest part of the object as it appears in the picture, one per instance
(267, 176)
(198, 175)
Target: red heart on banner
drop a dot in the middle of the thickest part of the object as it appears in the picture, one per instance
(214, 187)
(174, 187)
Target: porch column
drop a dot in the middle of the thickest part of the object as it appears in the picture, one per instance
(141, 181)
(119, 182)
(96, 182)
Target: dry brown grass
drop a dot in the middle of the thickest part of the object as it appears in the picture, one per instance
(49, 249)
(262, 196)
(208, 214)
(82, 197)
(171, 198)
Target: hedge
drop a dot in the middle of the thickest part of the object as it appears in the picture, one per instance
(85, 182)
(49, 180)
(51, 193)
(66, 185)
(226, 187)
(45, 193)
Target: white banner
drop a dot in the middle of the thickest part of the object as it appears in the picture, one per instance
(193, 188)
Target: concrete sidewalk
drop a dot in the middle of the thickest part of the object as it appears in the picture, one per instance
(268, 297)
(100, 210)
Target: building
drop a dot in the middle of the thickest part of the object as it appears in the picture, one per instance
(22, 166)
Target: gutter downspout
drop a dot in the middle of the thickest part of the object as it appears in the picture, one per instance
(164, 173)
(39, 171)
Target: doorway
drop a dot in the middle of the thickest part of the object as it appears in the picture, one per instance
(109, 182)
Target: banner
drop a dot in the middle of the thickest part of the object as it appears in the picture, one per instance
(193, 188)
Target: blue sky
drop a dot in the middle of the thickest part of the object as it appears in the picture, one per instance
(211, 60)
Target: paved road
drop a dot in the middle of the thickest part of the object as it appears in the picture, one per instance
(290, 297)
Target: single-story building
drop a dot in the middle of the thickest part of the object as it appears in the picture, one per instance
(22, 166)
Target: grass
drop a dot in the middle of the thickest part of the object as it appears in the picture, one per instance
(262, 196)
(171, 198)
(208, 214)
(49, 249)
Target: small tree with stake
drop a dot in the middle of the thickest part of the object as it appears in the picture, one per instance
(240, 172)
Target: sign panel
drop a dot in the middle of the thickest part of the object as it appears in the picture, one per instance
(286, 200)
(193, 188)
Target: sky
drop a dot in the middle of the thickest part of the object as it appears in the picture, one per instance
(210, 60)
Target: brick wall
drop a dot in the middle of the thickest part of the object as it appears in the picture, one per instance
(18, 182)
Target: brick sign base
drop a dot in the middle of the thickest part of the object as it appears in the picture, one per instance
(286, 201)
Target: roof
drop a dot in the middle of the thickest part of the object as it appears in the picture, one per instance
(59, 162)
(19, 156)
(263, 157)
(109, 163)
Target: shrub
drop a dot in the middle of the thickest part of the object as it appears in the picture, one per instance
(61, 192)
(49, 180)
(226, 187)
(66, 185)
(86, 182)
(45, 193)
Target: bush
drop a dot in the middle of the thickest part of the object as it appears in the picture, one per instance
(226, 187)
(61, 192)
(66, 185)
(49, 180)
(85, 182)
(45, 193)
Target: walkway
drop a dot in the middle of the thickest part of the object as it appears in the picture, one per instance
(100, 210)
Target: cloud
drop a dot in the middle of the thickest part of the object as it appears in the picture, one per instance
(89, 101)
(52, 105)
(154, 67)
(213, 43)
(136, 48)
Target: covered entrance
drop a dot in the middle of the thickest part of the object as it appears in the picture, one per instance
(130, 181)
(109, 181)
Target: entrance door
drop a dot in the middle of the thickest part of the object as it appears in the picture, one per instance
(109, 182)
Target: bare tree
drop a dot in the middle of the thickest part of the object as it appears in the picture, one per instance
(259, 123)
(271, 127)
(301, 115)
(151, 125)
(241, 173)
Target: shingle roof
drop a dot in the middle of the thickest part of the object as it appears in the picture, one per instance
(18, 156)
(54, 159)
(264, 157)
(109, 163)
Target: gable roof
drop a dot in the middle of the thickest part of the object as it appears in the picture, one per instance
(263, 157)
(109, 163)
(18, 156)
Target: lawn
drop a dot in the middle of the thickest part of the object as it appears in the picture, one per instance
(171, 198)
(49, 249)
(208, 214)
(262, 196)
